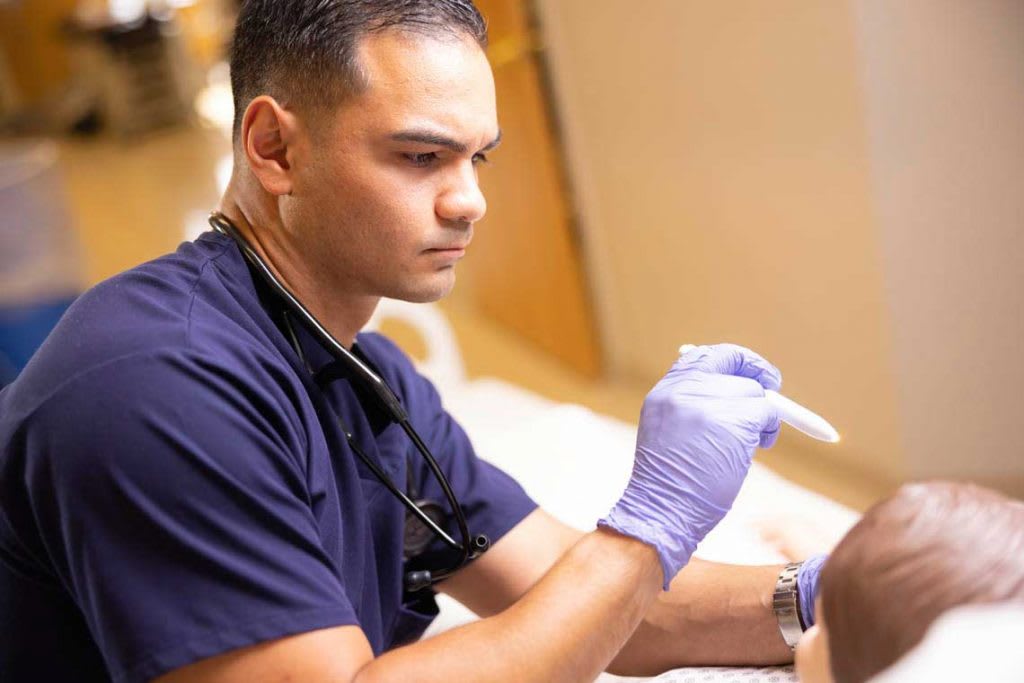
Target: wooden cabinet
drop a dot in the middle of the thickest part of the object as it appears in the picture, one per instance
(524, 270)
(35, 52)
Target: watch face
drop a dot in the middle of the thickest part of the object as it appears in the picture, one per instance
(419, 536)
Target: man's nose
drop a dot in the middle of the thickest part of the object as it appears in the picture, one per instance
(462, 200)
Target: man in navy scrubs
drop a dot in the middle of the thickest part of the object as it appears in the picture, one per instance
(178, 497)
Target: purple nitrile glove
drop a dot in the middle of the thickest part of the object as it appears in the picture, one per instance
(807, 586)
(699, 428)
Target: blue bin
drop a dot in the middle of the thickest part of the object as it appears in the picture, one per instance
(23, 329)
(40, 269)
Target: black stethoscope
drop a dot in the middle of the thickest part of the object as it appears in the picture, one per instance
(423, 517)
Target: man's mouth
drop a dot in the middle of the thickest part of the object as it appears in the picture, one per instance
(451, 247)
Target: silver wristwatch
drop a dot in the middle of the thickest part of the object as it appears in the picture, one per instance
(786, 604)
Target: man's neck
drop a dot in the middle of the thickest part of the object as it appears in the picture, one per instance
(342, 314)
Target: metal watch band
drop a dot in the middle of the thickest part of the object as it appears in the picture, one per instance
(786, 604)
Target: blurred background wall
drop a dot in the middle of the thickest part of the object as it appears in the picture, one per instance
(943, 86)
(722, 165)
(835, 183)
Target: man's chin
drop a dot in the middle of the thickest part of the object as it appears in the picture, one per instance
(428, 291)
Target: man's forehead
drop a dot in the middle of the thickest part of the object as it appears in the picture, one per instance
(417, 82)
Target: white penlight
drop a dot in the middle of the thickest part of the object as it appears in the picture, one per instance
(798, 417)
(792, 413)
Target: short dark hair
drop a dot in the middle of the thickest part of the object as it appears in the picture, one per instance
(926, 549)
(304, 51)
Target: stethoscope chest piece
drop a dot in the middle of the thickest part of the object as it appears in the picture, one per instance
(418, 535)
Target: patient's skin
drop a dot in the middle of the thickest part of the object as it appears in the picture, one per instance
(812, 658)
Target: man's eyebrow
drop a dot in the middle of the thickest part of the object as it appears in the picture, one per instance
(493, 143)
(429, 137)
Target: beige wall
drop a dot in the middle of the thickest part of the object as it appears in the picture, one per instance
(944, 85)
(733, 186)
(720, 161)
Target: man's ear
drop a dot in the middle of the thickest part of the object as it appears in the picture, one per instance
(269, 135)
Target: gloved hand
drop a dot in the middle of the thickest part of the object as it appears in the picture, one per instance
(699, 428)
(807, 582)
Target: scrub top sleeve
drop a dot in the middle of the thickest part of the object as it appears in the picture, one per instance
(174, 503)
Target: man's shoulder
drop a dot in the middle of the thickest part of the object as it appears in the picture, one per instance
(135, 309)
(134, 417)
(165, 318)
(169, 378)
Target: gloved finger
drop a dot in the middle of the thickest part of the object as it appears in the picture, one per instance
(768, 438)
(767, 416)
(731, 359)
(757, 419)
(687, 354)
(716, 386)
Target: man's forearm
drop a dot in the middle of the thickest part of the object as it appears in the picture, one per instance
(714, 614)
(566, 628)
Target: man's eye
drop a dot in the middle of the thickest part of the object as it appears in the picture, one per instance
(480, 158)
(421, 160)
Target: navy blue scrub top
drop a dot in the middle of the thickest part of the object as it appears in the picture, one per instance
(173, 484)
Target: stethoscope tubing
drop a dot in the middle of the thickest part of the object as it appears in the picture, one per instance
(383, 392)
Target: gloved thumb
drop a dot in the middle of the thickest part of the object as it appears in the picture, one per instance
(766, 416)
